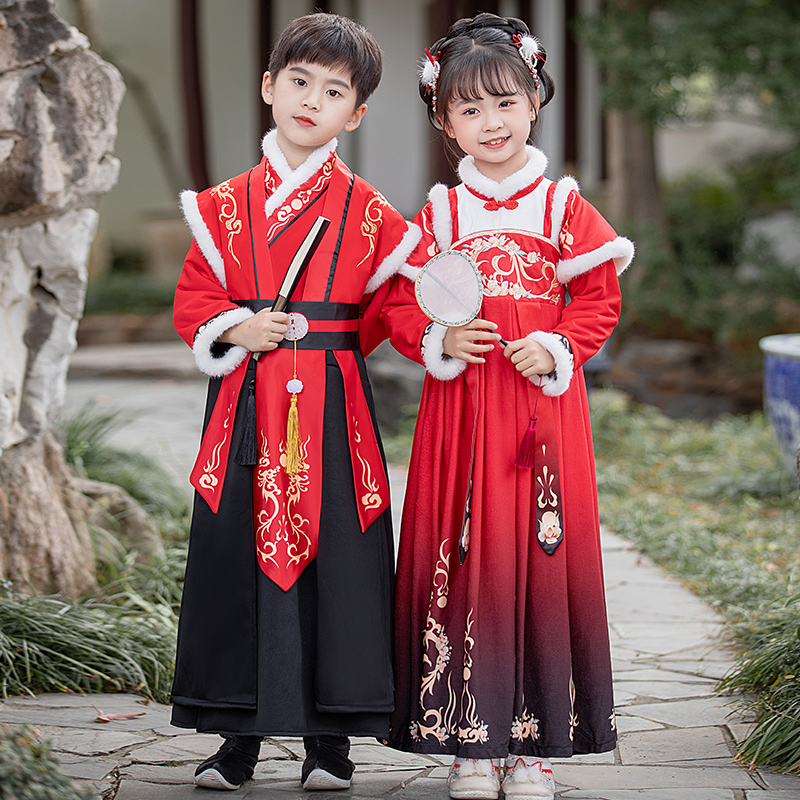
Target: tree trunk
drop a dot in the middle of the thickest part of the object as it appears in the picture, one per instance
(634, 194)
(59, 104)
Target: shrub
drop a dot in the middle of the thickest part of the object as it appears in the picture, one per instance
(29, 771)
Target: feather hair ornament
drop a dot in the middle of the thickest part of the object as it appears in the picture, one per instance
(429, 75)
(530, 51)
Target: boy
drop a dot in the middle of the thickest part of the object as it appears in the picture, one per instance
(285, 621)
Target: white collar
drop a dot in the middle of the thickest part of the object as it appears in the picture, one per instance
(508, 187)
(291, 179)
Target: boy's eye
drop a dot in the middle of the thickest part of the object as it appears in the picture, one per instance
(299, 81)
(334, 93)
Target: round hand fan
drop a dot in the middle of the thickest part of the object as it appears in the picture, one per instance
(449, 289)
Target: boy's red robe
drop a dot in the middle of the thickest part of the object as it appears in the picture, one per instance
(246, 231)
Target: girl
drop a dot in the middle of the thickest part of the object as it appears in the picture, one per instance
(502, 655)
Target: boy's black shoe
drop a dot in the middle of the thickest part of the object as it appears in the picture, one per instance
(327, 766)
(232, 765)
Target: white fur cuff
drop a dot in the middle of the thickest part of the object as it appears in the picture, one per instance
(439, 365)
(439, 198)
(394, 262)
(558, 381)
(207, 362)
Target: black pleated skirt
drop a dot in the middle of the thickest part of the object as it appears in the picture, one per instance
(255, 660)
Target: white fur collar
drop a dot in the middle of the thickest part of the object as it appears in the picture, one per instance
(291, 179)
(508, 187)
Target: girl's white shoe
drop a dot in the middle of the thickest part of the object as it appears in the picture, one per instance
(474, 779)
(529, 777)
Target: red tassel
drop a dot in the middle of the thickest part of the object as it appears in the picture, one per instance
(527, 447)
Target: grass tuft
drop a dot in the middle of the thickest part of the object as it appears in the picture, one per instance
(713, 504)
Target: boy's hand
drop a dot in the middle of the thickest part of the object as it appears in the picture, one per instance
(259, 333)
(466, 340)
(529, 357)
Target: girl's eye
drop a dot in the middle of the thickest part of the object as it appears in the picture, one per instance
(506, 103)
(470, 112)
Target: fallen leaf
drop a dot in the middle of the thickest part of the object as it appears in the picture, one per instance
(103, 717)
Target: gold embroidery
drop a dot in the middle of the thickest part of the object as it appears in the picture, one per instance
(525, 726)
(441, 576)
(459, 716)
(373, 216)
(573, 717)
(299, 549)
(281, 530)
(371, 497)
(228, 214)
(507, 270)
(287, 212)
(208, 480)
(266, 544)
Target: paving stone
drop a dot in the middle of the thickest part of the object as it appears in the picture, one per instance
(377, 756)
(627, 723)
(193, 748)
(598, 777)
(159, 773)
(651, 675)
(91, 742)
(663, 690)
(87, 768)
(740, 730)
(686, 713)
(773, 794)
(622, 697)
(672, 745)
(777, 780)
(141, 790)
(653, 794)
(588, 758)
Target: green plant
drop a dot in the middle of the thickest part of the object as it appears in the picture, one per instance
(50, 645)
(29, 771)
(128, 292)
(713, 504)
(85, 436)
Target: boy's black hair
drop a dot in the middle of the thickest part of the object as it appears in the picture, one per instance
(332, 41)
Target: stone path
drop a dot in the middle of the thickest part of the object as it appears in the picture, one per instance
(677, 737)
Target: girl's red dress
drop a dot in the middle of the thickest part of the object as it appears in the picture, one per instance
(508, 651)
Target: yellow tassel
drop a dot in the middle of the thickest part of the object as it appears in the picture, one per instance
(293, 439)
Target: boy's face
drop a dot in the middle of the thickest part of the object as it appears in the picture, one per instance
(311, 104)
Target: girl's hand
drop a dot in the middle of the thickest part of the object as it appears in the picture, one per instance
(529, 357)
(466, 340)
(259, 333)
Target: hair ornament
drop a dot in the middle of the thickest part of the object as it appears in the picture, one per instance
(429, 74)
(530, 51)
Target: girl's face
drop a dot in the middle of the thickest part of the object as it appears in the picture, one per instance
(493, 130)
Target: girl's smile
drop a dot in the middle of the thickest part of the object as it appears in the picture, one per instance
(494, 130)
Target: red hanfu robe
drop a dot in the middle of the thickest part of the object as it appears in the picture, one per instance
(246, 231)
(508, 651)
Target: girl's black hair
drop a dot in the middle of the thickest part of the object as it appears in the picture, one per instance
(478, 55)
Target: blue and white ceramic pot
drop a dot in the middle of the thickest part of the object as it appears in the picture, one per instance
(782, 392)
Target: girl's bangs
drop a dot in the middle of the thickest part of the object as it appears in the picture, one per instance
(480, 74)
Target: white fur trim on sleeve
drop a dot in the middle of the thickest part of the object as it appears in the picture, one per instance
(394, 262)
(436, 362)
(439, 198)
(619, 250)
(199, 229)
(566, 185)
(217, 367)
(559, 383)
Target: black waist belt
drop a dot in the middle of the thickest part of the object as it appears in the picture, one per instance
(318, 312)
